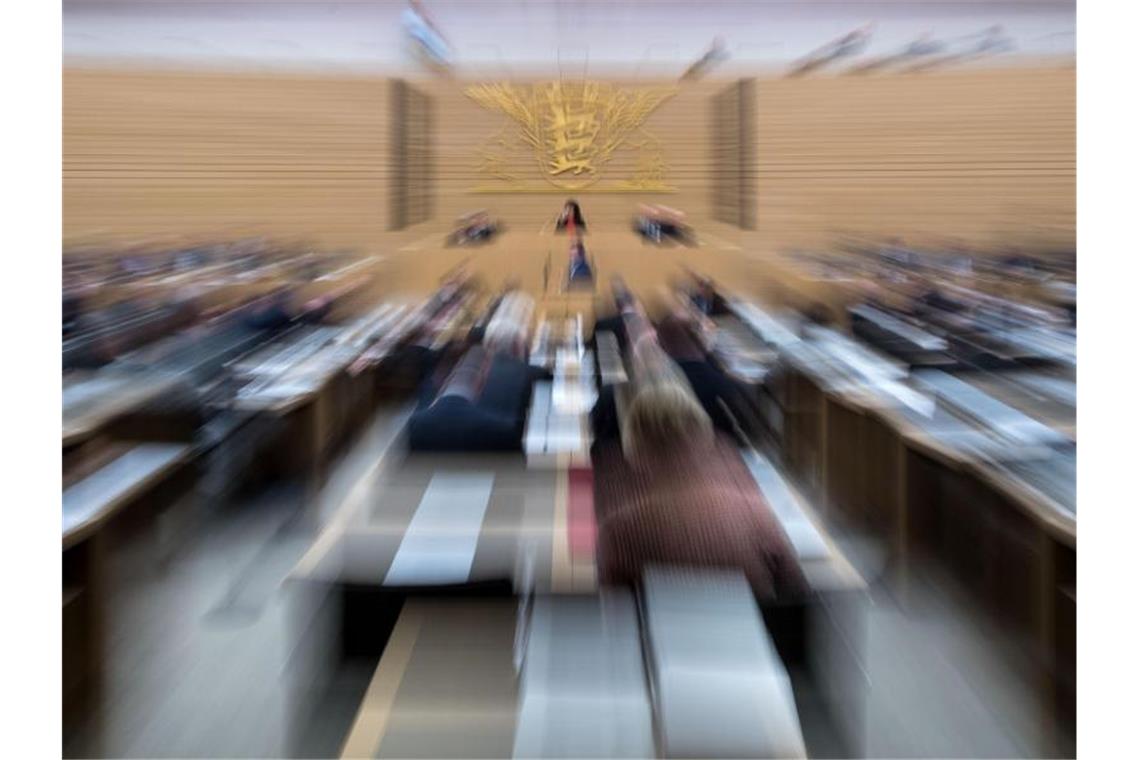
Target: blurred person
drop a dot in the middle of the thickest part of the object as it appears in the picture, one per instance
(645, 222)
(570, 217)
(579, 270)
(722, 399)
(819, 314)
(418, 338)
(706, 299)
(75, 288)
(474, 228)
(481, 405)
(72, 308)
(676, 492)
(276, 311)
(271, 313)
(657, 222)
(672, 223)
(614, 322)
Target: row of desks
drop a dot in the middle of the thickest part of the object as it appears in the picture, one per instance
(690, 671)
(430, 565)
(977, 472)
(438, 549)
(301, 379)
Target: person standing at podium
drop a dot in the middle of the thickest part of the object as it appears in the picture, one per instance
(570, 219)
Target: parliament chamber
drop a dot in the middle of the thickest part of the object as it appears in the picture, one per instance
(565, 409)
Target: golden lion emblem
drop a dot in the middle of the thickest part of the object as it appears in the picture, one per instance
(574, 128)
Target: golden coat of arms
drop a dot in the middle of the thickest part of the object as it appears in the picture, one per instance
(575, 130)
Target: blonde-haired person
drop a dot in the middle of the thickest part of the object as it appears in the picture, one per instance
(658, 414)
(674, 491)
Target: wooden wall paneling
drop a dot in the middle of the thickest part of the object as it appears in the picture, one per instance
(983, 155)
(398, 155)
(223, 155)
(469, 138)
(725, 151)
(747, 157)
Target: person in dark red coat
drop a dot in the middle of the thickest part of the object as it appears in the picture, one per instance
(676, 492)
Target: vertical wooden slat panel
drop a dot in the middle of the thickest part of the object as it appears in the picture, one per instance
(747, 155)
(398, 155)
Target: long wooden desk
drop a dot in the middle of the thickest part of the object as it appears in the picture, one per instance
(157, 474)
(426, 529)
(92, 401)
(887, 453)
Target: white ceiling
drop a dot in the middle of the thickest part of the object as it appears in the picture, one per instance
(577, 34)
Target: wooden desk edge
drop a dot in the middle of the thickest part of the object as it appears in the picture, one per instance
(83, 530)
(1048, 513)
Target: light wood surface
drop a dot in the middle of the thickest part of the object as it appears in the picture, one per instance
(149, 153)
(985, 155)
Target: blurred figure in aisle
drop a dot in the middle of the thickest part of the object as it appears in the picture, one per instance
(579, 270)
(474, 228)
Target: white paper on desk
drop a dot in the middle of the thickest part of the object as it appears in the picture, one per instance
(536, 433)
(286, 390)
(572, 397)
(540, 399)
(567, 360)
(440, 541)
(910, 398)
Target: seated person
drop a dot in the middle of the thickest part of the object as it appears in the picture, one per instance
(277, 312)
(273, 312)
(672, 222)
(722, 399)
(570, 216)
(675, 492)
(72, 310)
(422, 332)
(656, 222)
(481, 405)
(579, 270)
(615, 322)
(317, 310)
(454, 419)
(705, 298)
(645, 223)
(474, 228)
